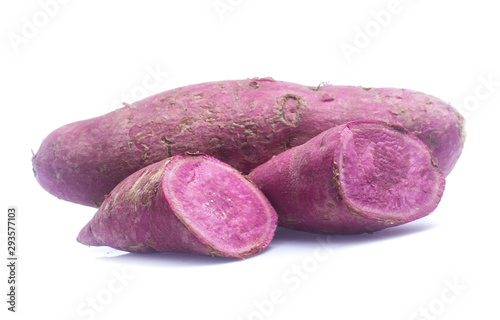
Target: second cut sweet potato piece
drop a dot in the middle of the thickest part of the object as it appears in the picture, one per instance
(360, 177)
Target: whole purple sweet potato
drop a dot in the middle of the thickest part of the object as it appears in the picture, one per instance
(187, 203)
(360, 177)
(242, 123)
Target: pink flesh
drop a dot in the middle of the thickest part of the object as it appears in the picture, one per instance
(386, 174)
(220, 207)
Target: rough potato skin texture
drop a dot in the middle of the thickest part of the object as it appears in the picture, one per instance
(240, 122)
(306, 186)
(140, 215)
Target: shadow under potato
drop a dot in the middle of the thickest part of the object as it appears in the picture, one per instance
(167, 259)
(283, 237)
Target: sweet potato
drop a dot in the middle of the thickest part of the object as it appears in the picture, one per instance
(187, 203)
(242, 123)
(360, 177)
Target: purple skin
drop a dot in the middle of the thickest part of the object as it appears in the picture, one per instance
(187, 203)
(360, 177)
(242, 123)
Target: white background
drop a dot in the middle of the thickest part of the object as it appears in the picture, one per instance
(82, 58)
